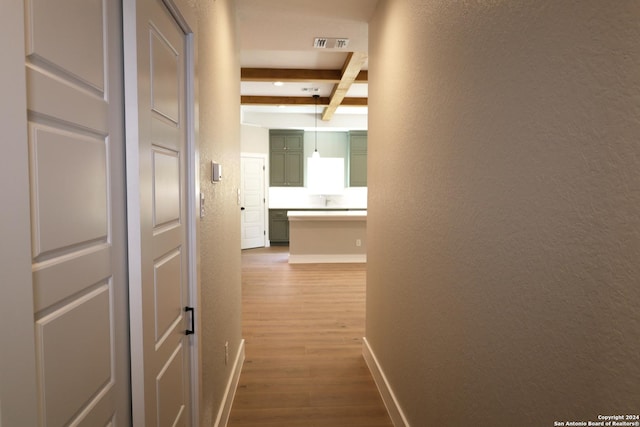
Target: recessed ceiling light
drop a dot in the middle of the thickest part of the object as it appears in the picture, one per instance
(278, 83)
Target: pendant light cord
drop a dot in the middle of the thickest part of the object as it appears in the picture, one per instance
(316, 96)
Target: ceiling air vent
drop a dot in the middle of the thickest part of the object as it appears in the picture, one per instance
(330, 43)
(320, 43)
(341, 43)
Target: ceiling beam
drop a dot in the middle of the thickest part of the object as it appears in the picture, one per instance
(297, 75)
(298, 100)
(352, 67)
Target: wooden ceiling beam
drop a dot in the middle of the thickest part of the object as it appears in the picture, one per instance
(299, 100)
(350, 71)
(297, 75)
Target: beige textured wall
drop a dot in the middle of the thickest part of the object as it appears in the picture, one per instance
(219, 89)
(254, 139)
(504, 209)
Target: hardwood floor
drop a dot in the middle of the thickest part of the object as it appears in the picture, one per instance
(303, 325)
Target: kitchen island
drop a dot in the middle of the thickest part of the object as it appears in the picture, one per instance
(327, 236)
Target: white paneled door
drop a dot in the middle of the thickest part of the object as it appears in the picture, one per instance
(253, 202)
(76, 163)
(157, 154)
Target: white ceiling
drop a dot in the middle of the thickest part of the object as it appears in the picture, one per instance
(280, 34)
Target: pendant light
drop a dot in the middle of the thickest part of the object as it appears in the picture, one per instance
(315, 154)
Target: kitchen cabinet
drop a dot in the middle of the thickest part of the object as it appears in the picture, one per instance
(357, 159)
(278, 227)
(286, 158)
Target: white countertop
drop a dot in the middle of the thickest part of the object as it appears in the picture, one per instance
(359, 215)
(293, 207)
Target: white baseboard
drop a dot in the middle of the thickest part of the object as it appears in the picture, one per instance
(327, 259)
(230, 391)
(389, 399)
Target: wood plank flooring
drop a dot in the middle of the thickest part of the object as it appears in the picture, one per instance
(303, 325)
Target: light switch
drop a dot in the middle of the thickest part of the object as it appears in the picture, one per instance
(216, 172)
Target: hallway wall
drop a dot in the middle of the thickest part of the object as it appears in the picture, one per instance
(219, 135)
(503, 284)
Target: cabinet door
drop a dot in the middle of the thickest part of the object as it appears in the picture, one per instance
(277, 175)
(277, 142)
(278, 226)
(295, 142)
(293, 167)
(279, 231)
(358, 169)
(358, 142)
(358, 159)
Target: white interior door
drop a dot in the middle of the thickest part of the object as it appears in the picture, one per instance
(76, 163)
(253, 206)
(158, 219)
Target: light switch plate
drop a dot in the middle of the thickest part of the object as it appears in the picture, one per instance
(216, 172)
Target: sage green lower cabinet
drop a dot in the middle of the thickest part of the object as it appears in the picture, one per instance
(278, 227)
(357, 159)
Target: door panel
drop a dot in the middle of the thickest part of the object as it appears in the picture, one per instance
(166, 186)
(75, 141)
(69, 189)
(77, 47)
(170, 382)
(165, 75)
(168, 293)
(162, 389)
(75, 339)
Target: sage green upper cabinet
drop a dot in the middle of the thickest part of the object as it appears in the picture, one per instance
(286, 158)
(357, 159)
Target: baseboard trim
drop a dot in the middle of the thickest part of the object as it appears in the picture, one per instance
(230, 392)
(389, 399)
(327, 259)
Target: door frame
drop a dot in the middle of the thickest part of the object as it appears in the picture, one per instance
(265, 157)
(186, 18)
(18, 390)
